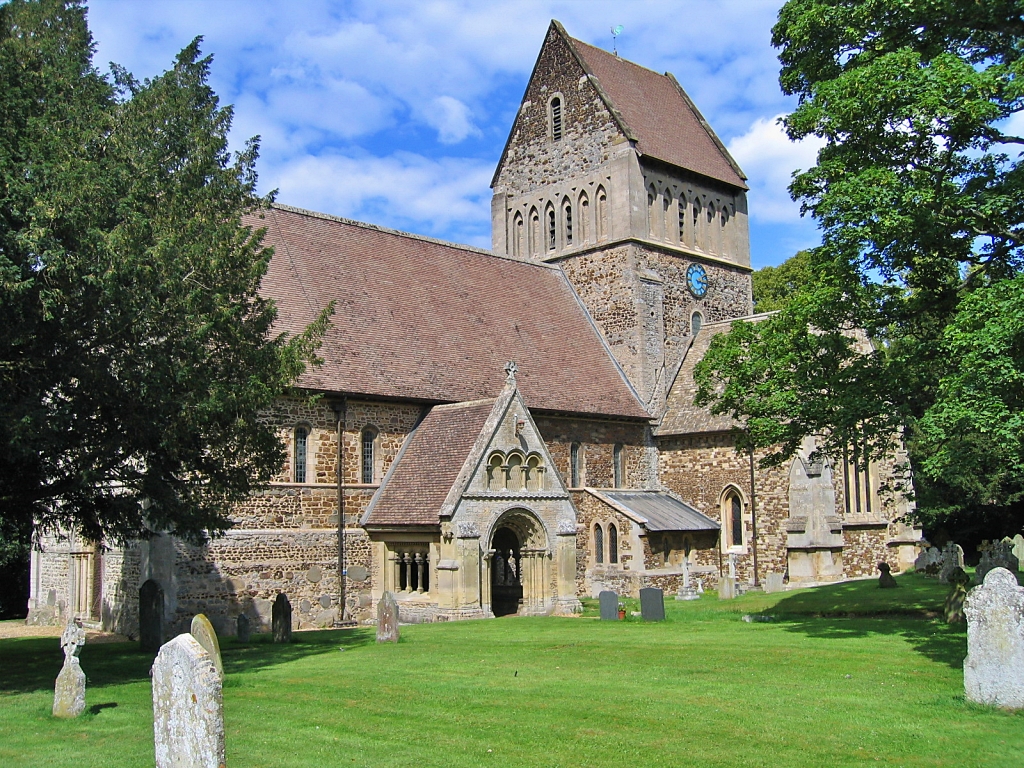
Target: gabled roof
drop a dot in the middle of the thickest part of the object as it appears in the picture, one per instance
(657, 510)
(420, 319)
(682, 417)
(428, 465)
(658, 114)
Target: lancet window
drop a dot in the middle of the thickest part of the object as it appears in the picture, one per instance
(300, 445)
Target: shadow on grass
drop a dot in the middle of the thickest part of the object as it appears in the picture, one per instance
(32, 664)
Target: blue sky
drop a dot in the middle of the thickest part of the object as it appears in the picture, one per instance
(396, 112)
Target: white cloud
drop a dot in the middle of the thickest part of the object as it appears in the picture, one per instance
(451, 119)
(769, 158)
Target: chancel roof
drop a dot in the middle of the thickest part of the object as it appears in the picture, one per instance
(658, 115)
(658, 510)
(423, 320)
(428, 465)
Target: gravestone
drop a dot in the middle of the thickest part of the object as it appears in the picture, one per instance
(188, 706)
(244, 629)
(885, 577)
(995, 554)
(686, 590)
(281, 621)
(952, 559)
(69, 691)
(928, 560)
(774, 582)
(609, 605)
(726, 588)
(652, 604)
(204, 633)
(1018, 550)
(953, 608)
(151, 616)
(994, 667)
(387, 619)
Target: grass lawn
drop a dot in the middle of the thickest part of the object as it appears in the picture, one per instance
(846, 675)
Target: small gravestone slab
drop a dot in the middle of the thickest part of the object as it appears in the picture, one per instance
(652, 604)
(995, 554)
(151, 616)
(994, 667)
(281, 621)
(188, 706)
(387, 619)
(1018, 550)
(953, 608)
(204, 633)
(69, 691)
(357, 573)
(244, 629)
(885, 577)
(774, 582)
(726, 588)
(609, 606)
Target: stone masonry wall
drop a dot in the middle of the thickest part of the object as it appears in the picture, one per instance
(597, 441)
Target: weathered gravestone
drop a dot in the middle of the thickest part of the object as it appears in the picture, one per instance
(652, 604)
(1018, 550)
(928, 560)
(953, 609)
(994, 667)
(387, 619)
(885, 577)
(281, 620)
(952, 560)
(188, 706)
(726, 587)
(204, 633)
(686, 590)
(995, 554)
(609, 605)
(151, 616)
(774, 582)
(69, 692)
(244, 628)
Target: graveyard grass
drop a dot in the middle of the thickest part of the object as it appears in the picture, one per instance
(846, 675)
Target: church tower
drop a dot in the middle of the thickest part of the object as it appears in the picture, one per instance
(612, 173)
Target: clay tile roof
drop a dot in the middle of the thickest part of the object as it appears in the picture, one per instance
(682, 417)
(666, 124)
(428, 465)
(423, 320)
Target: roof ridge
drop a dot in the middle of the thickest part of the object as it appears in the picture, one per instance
(407, 235)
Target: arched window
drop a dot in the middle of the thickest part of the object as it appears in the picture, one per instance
(534, 474)
(613, 543)
(534, 232)
(617, 461)
(368, 446)
(598, 544)
(552, 230)
(567, 220)
(517, 235)
(709, 231)
(299, 454)
(515, 472)
(652, 196)
(732, 517)
(696, 323)
(696, 228)
(602, 214)
(584, 218)
(723, 247)
(574, 465)
(666, 219)
(683, 237)
(556, 119)
(496, 473)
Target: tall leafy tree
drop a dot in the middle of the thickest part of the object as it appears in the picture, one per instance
(137, 353)
(772, 287)
(910, 326)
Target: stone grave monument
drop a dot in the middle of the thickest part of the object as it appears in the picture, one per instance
(387, 619)
(952, 560)
(1018, 550)
(188, 706)
(929, 561)
(774, 582)
(204, 633)
(244, 628)
(953, 608)
(69, 692)
(995, 554)
(686, 590)
(726, 588)
(151, 616)
(994, 667)
(652, 604)
(281, 621)
(609, 605)
(885, 577)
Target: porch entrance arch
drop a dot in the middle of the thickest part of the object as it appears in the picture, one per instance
(518, 564)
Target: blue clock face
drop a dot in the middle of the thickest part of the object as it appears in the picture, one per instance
(697, 280)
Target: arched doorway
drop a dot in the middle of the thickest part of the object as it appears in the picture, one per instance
(506, 572)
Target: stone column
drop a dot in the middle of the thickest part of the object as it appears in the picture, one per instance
(485, 591)
(392, 579)
(419, 572)
(565, 559)
(407, 569)
(468, 547)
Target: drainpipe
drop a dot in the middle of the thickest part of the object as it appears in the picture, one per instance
(340, 408)
(753, 514)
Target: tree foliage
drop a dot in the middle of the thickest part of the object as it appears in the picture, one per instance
(137, 352)
(910, 326)
(772, 287)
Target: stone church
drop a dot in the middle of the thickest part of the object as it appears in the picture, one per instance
(507, 431)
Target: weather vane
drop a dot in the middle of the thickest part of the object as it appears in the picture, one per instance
(616, 31)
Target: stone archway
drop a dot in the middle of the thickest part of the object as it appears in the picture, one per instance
(518, 565)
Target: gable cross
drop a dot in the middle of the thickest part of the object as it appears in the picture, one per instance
(510, 369)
